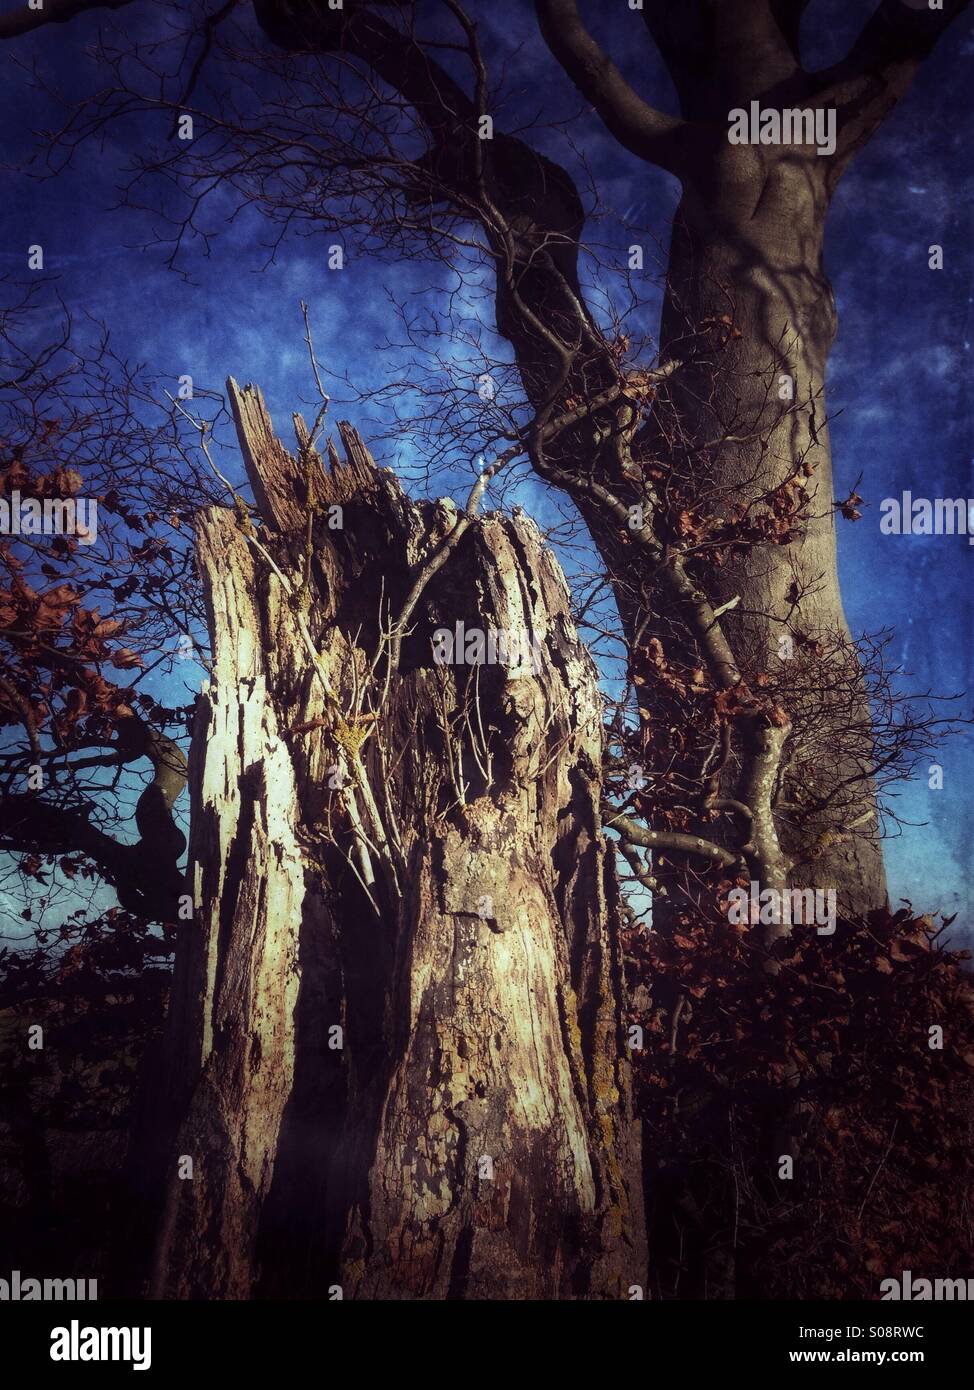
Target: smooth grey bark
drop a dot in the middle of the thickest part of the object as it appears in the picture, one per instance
(747, 242)
(746, 249)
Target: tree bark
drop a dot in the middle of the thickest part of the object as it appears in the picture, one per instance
(472, 1136)
(746, 251)
(747, 245)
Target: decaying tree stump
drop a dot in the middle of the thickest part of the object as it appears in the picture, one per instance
(395, 1046)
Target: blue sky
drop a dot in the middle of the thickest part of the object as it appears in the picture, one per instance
(900, 377)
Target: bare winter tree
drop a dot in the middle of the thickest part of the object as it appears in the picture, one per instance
(397, 1017)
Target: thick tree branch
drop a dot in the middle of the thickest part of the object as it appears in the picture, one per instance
(788, 16)
(527, 205)
(879, 69)
(22, 20)
(145, 882)
(673, 840)
(721, 56)
(642, 129)
(145, 875)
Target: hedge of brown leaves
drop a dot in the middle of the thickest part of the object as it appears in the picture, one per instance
(832, 1056)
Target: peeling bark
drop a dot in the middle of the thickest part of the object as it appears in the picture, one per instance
(473, 1137)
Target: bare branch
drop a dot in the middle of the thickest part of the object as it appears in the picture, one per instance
(638, 126)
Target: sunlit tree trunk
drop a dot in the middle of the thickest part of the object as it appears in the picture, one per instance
(747, 247)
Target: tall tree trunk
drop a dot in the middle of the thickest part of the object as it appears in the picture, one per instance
(747, 246)
(395, 1045)
(745, 271)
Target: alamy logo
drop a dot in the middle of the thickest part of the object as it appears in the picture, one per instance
(912, 1290)
(52, 516)
(18, 1290)
(77, 1343)
(919, 516)
(793, 126)
(471, 646)
(766, 906)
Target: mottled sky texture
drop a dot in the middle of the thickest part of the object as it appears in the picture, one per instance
(900, 379)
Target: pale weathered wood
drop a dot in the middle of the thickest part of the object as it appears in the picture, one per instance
(279, 482)
(474, 1136)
